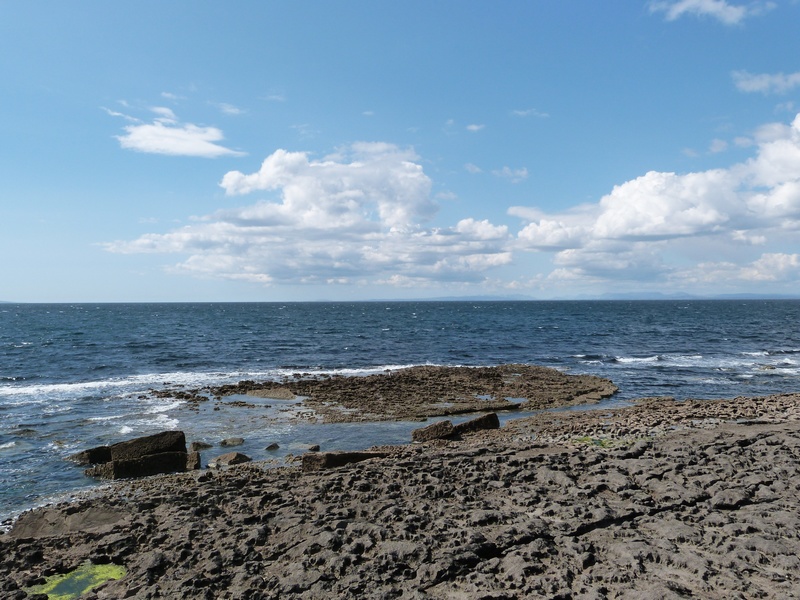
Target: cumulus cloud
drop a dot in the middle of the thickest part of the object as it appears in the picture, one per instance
(766, 83)
(632, 228)
(357, 216)
(167, 135)
(362, 216)
(723, 11)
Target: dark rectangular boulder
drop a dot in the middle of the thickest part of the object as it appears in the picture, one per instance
(166, 441)
(92, 456)
(487, 421)
(317, 461)
(435, 431)
(153, 464)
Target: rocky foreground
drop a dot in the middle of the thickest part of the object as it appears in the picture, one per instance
(661, 500)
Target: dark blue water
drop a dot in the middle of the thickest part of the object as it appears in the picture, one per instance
(73, 376)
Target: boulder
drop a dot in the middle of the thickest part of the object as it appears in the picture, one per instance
(317, 461)
(487, 421)
(193, 461)
(234, 441)
(163, 452)
(197, 446)
(231, 458)
(273, 446)
(435, 431)
(151, 464)
(166, 441)
(92, 456)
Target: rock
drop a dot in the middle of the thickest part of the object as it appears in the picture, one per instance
(435, 431)
(317, 461)
(152, 464)
(166, 441)
(163, 452)
(234, 441)
(231, 458)
(273, 446)
(92, 456)
(313, 448)
(51, 521)
(488, 421)
(197, 446)
(193, 461)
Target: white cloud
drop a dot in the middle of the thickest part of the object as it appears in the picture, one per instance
(355, 216)
(723, 11)
(475, 128)
(474, 169)
(167, 135)
(361, 216)
(639, 223)
(766, 83)
(530, 112)
(513, 175)
(230, 109)
(717, 145)
(773, 267)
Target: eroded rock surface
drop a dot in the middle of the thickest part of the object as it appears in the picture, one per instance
(424, 391)
(662, 500)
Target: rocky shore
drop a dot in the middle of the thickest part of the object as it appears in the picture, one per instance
(664, 499)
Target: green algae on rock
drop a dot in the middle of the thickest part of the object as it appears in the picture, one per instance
(69, 586)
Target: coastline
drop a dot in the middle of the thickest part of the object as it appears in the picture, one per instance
(660, 499)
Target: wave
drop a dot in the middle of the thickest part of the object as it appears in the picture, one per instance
(636, 359)
(180, 378)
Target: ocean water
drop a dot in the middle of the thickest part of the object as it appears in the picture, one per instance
(79, 375)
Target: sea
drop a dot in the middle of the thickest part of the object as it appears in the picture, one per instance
(75, 376)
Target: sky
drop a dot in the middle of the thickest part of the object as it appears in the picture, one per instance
(259, 150)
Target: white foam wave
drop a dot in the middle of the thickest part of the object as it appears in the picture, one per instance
(7, 445)
(636, 360)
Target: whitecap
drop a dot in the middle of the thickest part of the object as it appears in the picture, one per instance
(635, 360)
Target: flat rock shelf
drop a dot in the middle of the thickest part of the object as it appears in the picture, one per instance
(663, 499)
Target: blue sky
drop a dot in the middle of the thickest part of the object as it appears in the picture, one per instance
(255, 150)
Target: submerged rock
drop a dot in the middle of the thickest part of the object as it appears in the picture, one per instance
(197, 446)
(233, 441)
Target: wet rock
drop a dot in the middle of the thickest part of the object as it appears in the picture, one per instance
(233, 441)
(193, 461)
(166, 441)
(316, 461)
(152, 464)
(488, 421)
(435, 431)
(229, 459)
(198, 446)
(92, 456)
(155, 454)
(272, 447)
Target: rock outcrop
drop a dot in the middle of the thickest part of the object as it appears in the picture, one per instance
(317, 461)
(229, 459)
(156, 454)
(445, 429)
